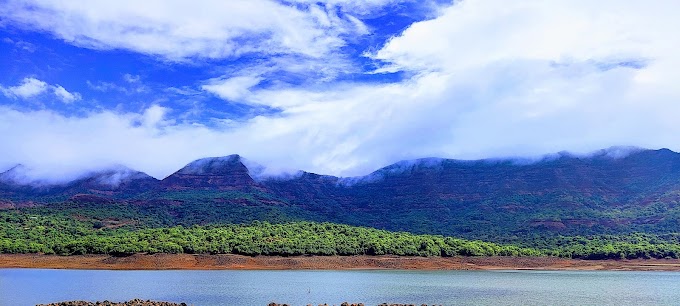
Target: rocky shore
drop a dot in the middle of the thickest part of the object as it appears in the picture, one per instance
(135, 302)
(139, 302)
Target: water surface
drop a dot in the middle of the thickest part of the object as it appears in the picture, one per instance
(32, 286)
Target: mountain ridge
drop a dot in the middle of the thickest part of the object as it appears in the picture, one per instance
(257, 173)
(605, 192)
(615, 171)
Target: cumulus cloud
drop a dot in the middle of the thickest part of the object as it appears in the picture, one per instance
(31, 87)
(486, 78)
(471, 34)
(28, 88)
(65, 95)
(234, 88)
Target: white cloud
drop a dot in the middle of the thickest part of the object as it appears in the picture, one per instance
(472, 34)
(207, 28)
(65, 96)
(131, 78)
(111, 138)
(295, 37)
(29, 87)
(350, 130)
(234, 89)
(20, 44)
(154, 117)
(105, 86)
(131, 85)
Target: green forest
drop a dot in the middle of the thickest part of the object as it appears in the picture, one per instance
(38, 231)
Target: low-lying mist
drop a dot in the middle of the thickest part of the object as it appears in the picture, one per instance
(114, 174)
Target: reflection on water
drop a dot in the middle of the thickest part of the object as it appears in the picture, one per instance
(32, 286)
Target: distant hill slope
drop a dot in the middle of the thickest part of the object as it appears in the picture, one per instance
(562, 194)
(611, 191)
(114, 181)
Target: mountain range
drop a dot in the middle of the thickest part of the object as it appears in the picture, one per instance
(611, 191)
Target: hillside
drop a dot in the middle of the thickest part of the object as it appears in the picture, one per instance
(503, 200)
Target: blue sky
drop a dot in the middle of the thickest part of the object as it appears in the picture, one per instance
(334, 87)
(115, 77)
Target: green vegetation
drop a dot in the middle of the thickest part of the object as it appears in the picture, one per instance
(29, 233)
(616, 247)
(71, 232)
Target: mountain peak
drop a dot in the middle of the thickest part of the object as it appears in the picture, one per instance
(20, 175)
(212, 165)
(411, 165)
(115, 176)
(227, 172)
(18, 168)
(618, 151)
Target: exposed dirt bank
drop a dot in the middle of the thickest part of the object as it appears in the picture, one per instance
(237, 262)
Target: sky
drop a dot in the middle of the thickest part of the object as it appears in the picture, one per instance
(332, 87)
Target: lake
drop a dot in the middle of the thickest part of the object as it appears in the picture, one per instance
(32, 286)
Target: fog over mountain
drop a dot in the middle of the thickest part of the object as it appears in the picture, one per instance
(113, 175)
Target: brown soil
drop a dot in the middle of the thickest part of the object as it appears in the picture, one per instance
(238, 262)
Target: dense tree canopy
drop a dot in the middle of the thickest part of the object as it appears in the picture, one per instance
(26, 233)
(34, 232)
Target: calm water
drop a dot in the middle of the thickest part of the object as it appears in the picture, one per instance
(32, 286)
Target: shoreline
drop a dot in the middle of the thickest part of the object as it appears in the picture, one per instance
(360, 262)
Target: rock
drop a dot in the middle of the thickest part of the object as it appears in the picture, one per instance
(135, 302)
